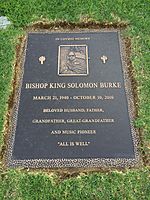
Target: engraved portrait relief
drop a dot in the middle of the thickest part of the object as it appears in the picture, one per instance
(72, 60)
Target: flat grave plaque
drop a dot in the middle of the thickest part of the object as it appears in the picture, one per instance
(74, 105)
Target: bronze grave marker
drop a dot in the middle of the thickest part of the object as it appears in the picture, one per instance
(74, 104)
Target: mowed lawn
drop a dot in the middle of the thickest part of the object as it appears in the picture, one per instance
(25, 184)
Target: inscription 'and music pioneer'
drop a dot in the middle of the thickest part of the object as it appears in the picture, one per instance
(73, 106)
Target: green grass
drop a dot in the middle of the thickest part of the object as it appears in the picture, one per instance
(114, 185)
(131, 184)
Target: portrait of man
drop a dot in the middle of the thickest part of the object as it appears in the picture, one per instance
(72, 60)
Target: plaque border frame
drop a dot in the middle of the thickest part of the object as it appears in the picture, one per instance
(76, 163)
